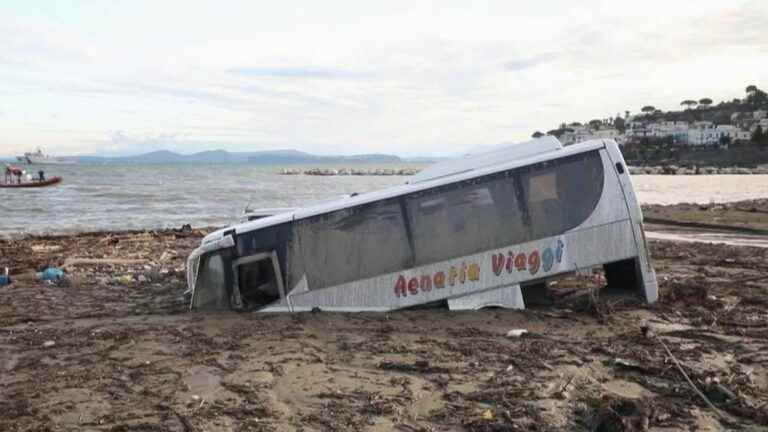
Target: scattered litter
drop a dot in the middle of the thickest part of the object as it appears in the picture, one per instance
(487, 415)
(46, 248)
(516, 333)
(73, 262)
(48, 344)
(125, 279)
(628, 365)
(5, 279)
(50, 274)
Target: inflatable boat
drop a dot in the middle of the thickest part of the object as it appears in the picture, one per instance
(33, 184)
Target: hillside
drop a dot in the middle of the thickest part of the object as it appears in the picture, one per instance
(269, 157)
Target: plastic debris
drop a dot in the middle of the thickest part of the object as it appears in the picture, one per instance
(516, 333)
(125, 279)
(48, 344)
(50, 274)
(5, 279)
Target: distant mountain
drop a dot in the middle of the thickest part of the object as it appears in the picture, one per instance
(269, 157)
(426, 159)
(297, 157)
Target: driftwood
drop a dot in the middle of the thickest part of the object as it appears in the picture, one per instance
(74, 262)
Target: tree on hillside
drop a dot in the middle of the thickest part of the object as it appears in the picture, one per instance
(595, 124)
(758, 135)
(757, 98)
(648, 109)
(575, 124)
(556, 132)
(751, 88)
(619, 124)
(705, 102)
(626, 115)
(689, 103)
(537, 134)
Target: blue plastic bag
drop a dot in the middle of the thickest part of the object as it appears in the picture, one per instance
(50, 274)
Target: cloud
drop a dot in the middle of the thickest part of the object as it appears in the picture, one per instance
(300, 72)
(530, 62)
(744, 25)
(403, 79)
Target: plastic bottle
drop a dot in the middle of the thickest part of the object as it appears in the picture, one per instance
(5, 279)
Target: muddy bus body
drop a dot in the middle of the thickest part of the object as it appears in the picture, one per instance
(475, 232)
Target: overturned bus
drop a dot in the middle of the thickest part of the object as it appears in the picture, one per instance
(474, 232)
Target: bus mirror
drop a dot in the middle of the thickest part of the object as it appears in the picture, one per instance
(619, 167)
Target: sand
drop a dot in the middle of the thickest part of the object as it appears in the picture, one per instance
(114, 349)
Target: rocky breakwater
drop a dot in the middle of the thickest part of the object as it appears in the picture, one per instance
(350, 171)
(687, 170)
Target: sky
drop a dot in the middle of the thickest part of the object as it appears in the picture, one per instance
(413, 78)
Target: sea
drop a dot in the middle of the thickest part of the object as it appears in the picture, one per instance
(98, 197)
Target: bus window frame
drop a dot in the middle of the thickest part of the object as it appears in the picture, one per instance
(272, 256)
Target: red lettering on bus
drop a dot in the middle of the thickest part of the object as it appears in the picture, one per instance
(400, 287)
(413, 286)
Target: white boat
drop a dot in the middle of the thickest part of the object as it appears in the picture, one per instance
(39, 158)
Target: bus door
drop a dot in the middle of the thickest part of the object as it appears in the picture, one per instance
(257, 281)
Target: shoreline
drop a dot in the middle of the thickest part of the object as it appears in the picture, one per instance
(694, 170)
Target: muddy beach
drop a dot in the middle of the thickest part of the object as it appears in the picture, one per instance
(113, 348)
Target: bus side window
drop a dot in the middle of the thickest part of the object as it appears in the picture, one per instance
(561, 194)
(464, 218)
(354, 243)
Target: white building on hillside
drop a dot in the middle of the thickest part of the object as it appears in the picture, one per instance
(707, 134)
(576, 134)
(678, 130)
(607, 133)
(743, 136)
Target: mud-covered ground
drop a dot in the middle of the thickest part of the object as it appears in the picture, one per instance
(114, 349)
(748, 216)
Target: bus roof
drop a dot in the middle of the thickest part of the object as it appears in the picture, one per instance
(495, 155)
(514, 159)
